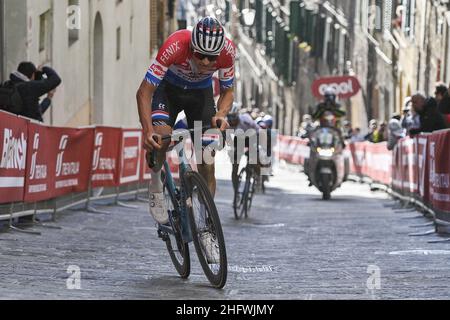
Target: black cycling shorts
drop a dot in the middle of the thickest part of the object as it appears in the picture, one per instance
(169, 100)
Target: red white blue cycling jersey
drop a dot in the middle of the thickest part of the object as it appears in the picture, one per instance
(174, 64)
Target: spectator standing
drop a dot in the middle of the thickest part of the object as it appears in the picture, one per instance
(380, 134)
(430, 117)
(442, 98)
(396, 132)
(347, 131)
(373, 125)
(31, 85)
(357, 136)
(411, 119)
(406, 112)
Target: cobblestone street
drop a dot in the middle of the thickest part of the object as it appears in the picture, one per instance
(294, 246)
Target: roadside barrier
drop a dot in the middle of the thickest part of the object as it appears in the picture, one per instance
(49, 169)
(417, 171)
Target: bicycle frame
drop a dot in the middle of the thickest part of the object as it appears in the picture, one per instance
(184, 167)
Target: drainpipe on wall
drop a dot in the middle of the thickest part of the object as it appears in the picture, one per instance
(52, 48)
(91, 17)
(2, 40)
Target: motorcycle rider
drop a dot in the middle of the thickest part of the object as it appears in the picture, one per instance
(329, 104)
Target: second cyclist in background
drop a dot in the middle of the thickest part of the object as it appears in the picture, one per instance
(245, 128)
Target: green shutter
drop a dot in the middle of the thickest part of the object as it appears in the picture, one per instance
(258, 20)
(286, 53)
(279, 45)
(269, 31)
(294, 60)
(227, 10)
(309, 30)
(302, 22)
(294, 19)
(319, 39)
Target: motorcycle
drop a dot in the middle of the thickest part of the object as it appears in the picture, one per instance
(326, 167)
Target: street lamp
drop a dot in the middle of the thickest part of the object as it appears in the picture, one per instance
(249, 16)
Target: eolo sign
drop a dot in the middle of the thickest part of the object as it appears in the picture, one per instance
(345, 86)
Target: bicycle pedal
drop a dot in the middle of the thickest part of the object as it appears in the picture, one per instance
(163, 235)
(174, 214)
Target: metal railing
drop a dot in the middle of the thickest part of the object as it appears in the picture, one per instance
(85, 201)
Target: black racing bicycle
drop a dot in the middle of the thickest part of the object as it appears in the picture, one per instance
(194, 218)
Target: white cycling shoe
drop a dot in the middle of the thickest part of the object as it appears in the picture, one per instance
(158, 208)
(211, 247)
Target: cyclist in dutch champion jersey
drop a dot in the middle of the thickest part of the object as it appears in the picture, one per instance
(180, 79)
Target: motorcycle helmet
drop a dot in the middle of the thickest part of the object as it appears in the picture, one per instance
(330, 94)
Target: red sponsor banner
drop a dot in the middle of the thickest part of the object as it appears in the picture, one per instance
(439, 168)
(131, 156)
(13, 144)
(287, 146)
(408, 166)
(301, 151)
(73, 159)
(378, 162)
(366, 159)
(106, 155)
(345, 86)
(283, 142)
(145, 169)
(423, 168)
(358, 157)
(397, 172)
(41, 163)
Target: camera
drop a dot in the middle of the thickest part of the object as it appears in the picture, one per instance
(39, 75)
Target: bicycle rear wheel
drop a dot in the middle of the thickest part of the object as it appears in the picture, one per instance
(250, 191)
(206, 229)
(239, 196)
(178, 250)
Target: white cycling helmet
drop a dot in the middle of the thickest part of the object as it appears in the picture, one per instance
(208, 37)
(233, 116)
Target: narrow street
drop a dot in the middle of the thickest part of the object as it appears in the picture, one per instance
(294, 246)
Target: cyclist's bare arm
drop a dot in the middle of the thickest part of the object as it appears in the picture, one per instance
(224, 106)
(144, 98)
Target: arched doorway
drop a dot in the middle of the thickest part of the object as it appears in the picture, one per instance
(97, 116)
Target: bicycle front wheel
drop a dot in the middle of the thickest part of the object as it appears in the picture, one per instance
(207, 230)
(177, 248)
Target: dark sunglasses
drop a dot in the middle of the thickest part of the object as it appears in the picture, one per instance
(201, 56)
